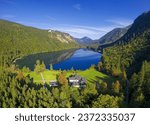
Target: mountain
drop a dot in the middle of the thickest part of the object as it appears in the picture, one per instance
(132, 49)
(18, 40)
(84, 40)
(61, 36)
(140, 25)
(113, 35)
(129, 59)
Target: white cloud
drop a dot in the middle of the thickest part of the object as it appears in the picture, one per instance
(94, 32)
(81, 31)
(120, 22)
(78, 31)
(77, 6)
(8, 16)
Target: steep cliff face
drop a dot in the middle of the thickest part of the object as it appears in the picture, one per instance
(61, 36)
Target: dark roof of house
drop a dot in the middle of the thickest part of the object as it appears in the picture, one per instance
(83, 79)
(53, 83)
(75, 77)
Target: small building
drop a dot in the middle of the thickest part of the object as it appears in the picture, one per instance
(53, 83)
(50, 30)
(74, 81)
(77, 81)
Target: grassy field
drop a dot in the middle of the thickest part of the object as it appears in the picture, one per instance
(91, 75)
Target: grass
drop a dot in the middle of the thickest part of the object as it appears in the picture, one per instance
(48, 76)
(91, 76)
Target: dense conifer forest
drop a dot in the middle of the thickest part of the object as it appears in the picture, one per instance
(131, 54)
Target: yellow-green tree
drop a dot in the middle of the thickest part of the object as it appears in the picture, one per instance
(62, 80)
(100, 66)
(116, 87)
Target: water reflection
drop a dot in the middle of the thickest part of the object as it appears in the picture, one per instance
(77, 59)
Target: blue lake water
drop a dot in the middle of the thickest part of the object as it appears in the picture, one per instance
(80, 59)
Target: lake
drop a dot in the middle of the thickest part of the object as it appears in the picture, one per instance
(80, 59)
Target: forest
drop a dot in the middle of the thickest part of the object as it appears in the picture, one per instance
(18, 40)
(18, 90)
(131, 55)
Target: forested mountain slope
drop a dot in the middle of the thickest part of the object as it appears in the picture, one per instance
(132, 49)
(18, 40)
(131, 55)
(140, 25)
(113, 35)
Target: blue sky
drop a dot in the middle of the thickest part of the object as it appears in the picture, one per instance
(92, 18)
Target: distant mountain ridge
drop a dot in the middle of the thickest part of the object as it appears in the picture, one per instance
(84, 40)
(113, 35)
(107, 39)
(141, 24)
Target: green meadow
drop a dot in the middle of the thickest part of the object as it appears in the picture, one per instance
(91, 75)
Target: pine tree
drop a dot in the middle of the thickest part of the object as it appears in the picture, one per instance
(51, 67)
(116, 87)
(100, 66)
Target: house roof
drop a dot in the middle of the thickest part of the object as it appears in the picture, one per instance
(75, 77)
(53, 83)
(83, 79)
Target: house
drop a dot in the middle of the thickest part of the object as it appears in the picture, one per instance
(74, 81)
(53, 83)
(77, 81)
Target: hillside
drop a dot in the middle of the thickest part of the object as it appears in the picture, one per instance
(113, 35)
(132, 49)
(129, 59)
(140, 25)
(18, 40)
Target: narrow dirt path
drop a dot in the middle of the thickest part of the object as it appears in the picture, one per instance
(42, 77)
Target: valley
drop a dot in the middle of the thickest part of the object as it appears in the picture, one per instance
(117, 77)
